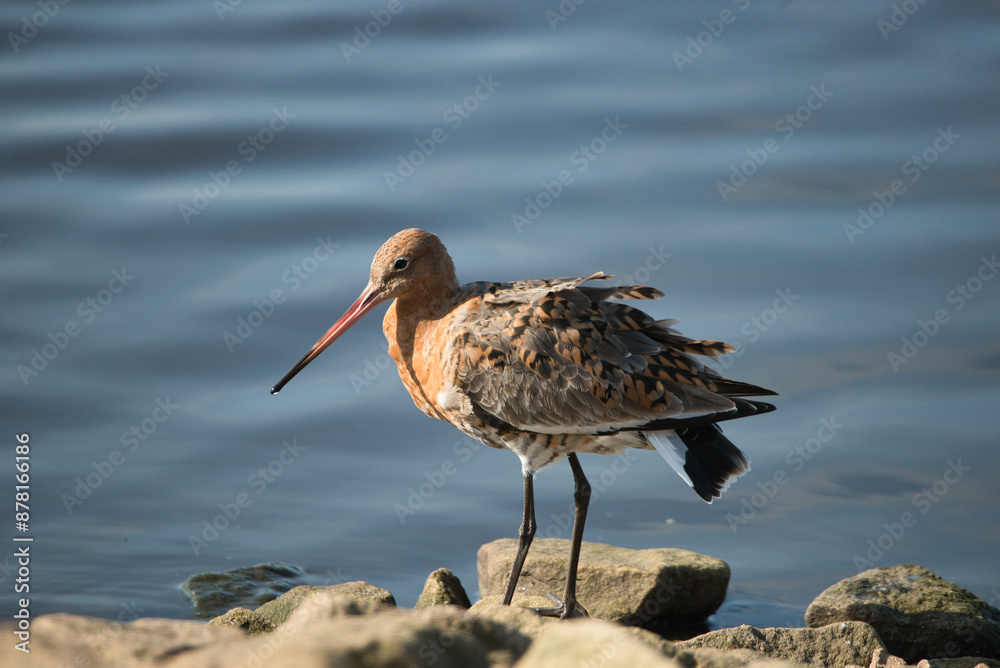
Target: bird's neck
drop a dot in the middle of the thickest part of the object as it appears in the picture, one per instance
(412, 329)
(429, 306)
(408, 314)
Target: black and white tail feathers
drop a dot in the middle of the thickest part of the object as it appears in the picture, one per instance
(700, 453)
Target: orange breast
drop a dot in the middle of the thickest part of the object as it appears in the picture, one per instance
(420, 348)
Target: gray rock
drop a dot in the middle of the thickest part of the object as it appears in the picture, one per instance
(442, 588)
(74, 640)
(356, 625)
(249, 621)
(646, 588)
(592, 642)
(278, 610)
(964, 662)
(515, 615)
(329, 630)
(882, 659)
(443, 636)
(917, 614)
(521, 601)
(833, 645)
(707, 657)
(328, 606)
(315, 635)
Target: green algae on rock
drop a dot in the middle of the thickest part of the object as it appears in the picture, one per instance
(215, 592)
(917, 614)
(646, 588)
(442, 588)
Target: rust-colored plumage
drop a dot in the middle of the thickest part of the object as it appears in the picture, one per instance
(550, 368)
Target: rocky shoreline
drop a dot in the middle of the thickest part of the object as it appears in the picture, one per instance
(887, 617)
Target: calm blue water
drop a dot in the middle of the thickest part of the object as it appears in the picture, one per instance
(224, 178)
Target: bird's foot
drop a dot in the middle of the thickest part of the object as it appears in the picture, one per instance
(560, 610)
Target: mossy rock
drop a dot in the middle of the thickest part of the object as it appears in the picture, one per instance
(833, 645)
(917, 614)
(278, 610)
(250, 621)
(652, 589)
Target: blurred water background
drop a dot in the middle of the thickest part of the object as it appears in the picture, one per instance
(192, 192)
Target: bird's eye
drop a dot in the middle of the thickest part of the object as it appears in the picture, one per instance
(400, 264)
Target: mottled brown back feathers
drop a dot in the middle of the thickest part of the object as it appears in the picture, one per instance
(540, 354)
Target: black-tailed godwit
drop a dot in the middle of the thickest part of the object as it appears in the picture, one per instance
(547, 369)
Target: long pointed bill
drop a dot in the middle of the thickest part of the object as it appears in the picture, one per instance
(368, 300)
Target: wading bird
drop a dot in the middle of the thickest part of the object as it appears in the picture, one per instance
(547, 369)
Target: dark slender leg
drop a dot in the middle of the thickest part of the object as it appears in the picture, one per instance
(524, 537)
(581, 498)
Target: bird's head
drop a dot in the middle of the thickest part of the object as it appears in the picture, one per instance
(412, 265)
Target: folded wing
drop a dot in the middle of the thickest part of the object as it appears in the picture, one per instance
(555, 356)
